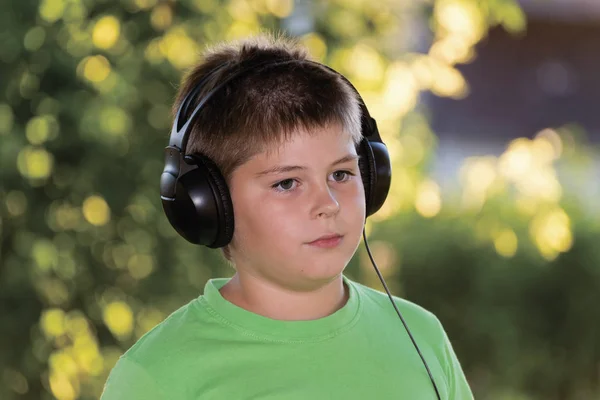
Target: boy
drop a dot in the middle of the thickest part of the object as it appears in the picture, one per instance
(283, 137)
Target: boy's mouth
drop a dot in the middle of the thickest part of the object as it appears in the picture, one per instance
(327, 241)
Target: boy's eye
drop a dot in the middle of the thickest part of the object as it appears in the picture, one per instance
(341, 176)
(284, 185)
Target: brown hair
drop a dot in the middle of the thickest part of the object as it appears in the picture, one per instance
(266, 104)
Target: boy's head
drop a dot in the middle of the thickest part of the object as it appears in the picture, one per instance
(301, 122)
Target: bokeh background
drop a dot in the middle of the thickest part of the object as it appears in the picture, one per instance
(489, 109)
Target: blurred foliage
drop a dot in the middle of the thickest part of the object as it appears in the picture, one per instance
(89, 262)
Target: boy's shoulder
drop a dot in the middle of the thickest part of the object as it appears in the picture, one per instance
(379, 304)
(154, 366)
(168, 338)
(191, 326)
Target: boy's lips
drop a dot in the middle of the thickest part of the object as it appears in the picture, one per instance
(328, 240)
(327, 236)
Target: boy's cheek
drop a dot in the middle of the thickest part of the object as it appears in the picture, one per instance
(356, 200)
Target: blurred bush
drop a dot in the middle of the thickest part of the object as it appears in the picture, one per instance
(89, 263)
(511, 268)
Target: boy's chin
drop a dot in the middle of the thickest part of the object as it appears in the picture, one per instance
(322, 271)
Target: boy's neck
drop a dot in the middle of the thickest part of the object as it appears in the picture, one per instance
(275, 302)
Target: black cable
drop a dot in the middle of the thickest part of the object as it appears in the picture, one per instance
(400, 315)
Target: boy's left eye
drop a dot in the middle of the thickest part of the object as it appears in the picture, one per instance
(340, 176)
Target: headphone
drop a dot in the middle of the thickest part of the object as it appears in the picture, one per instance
(196, 198)
(194, 194)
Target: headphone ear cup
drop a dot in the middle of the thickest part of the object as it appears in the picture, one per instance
(367, 170)
(193, 211)
(382, 170)
(223, 202)
(202, 211)
(376, 172)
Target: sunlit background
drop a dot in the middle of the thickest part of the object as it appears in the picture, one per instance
(489, 109)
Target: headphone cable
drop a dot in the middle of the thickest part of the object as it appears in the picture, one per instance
(400, 315)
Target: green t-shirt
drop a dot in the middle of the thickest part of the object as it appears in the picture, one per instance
(213, 349)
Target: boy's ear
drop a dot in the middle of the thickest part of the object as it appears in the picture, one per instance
(226, 252)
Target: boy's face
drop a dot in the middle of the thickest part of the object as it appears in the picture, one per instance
(313, 189)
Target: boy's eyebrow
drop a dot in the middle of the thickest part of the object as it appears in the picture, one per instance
(278, 169)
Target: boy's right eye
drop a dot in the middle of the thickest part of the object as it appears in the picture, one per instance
(286, 185)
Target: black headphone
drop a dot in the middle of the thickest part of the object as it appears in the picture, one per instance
(194, 193)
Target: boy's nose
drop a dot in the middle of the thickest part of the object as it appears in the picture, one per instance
(326, 204)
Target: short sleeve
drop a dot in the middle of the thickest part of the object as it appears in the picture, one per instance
(128, 380)
(458, 386)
